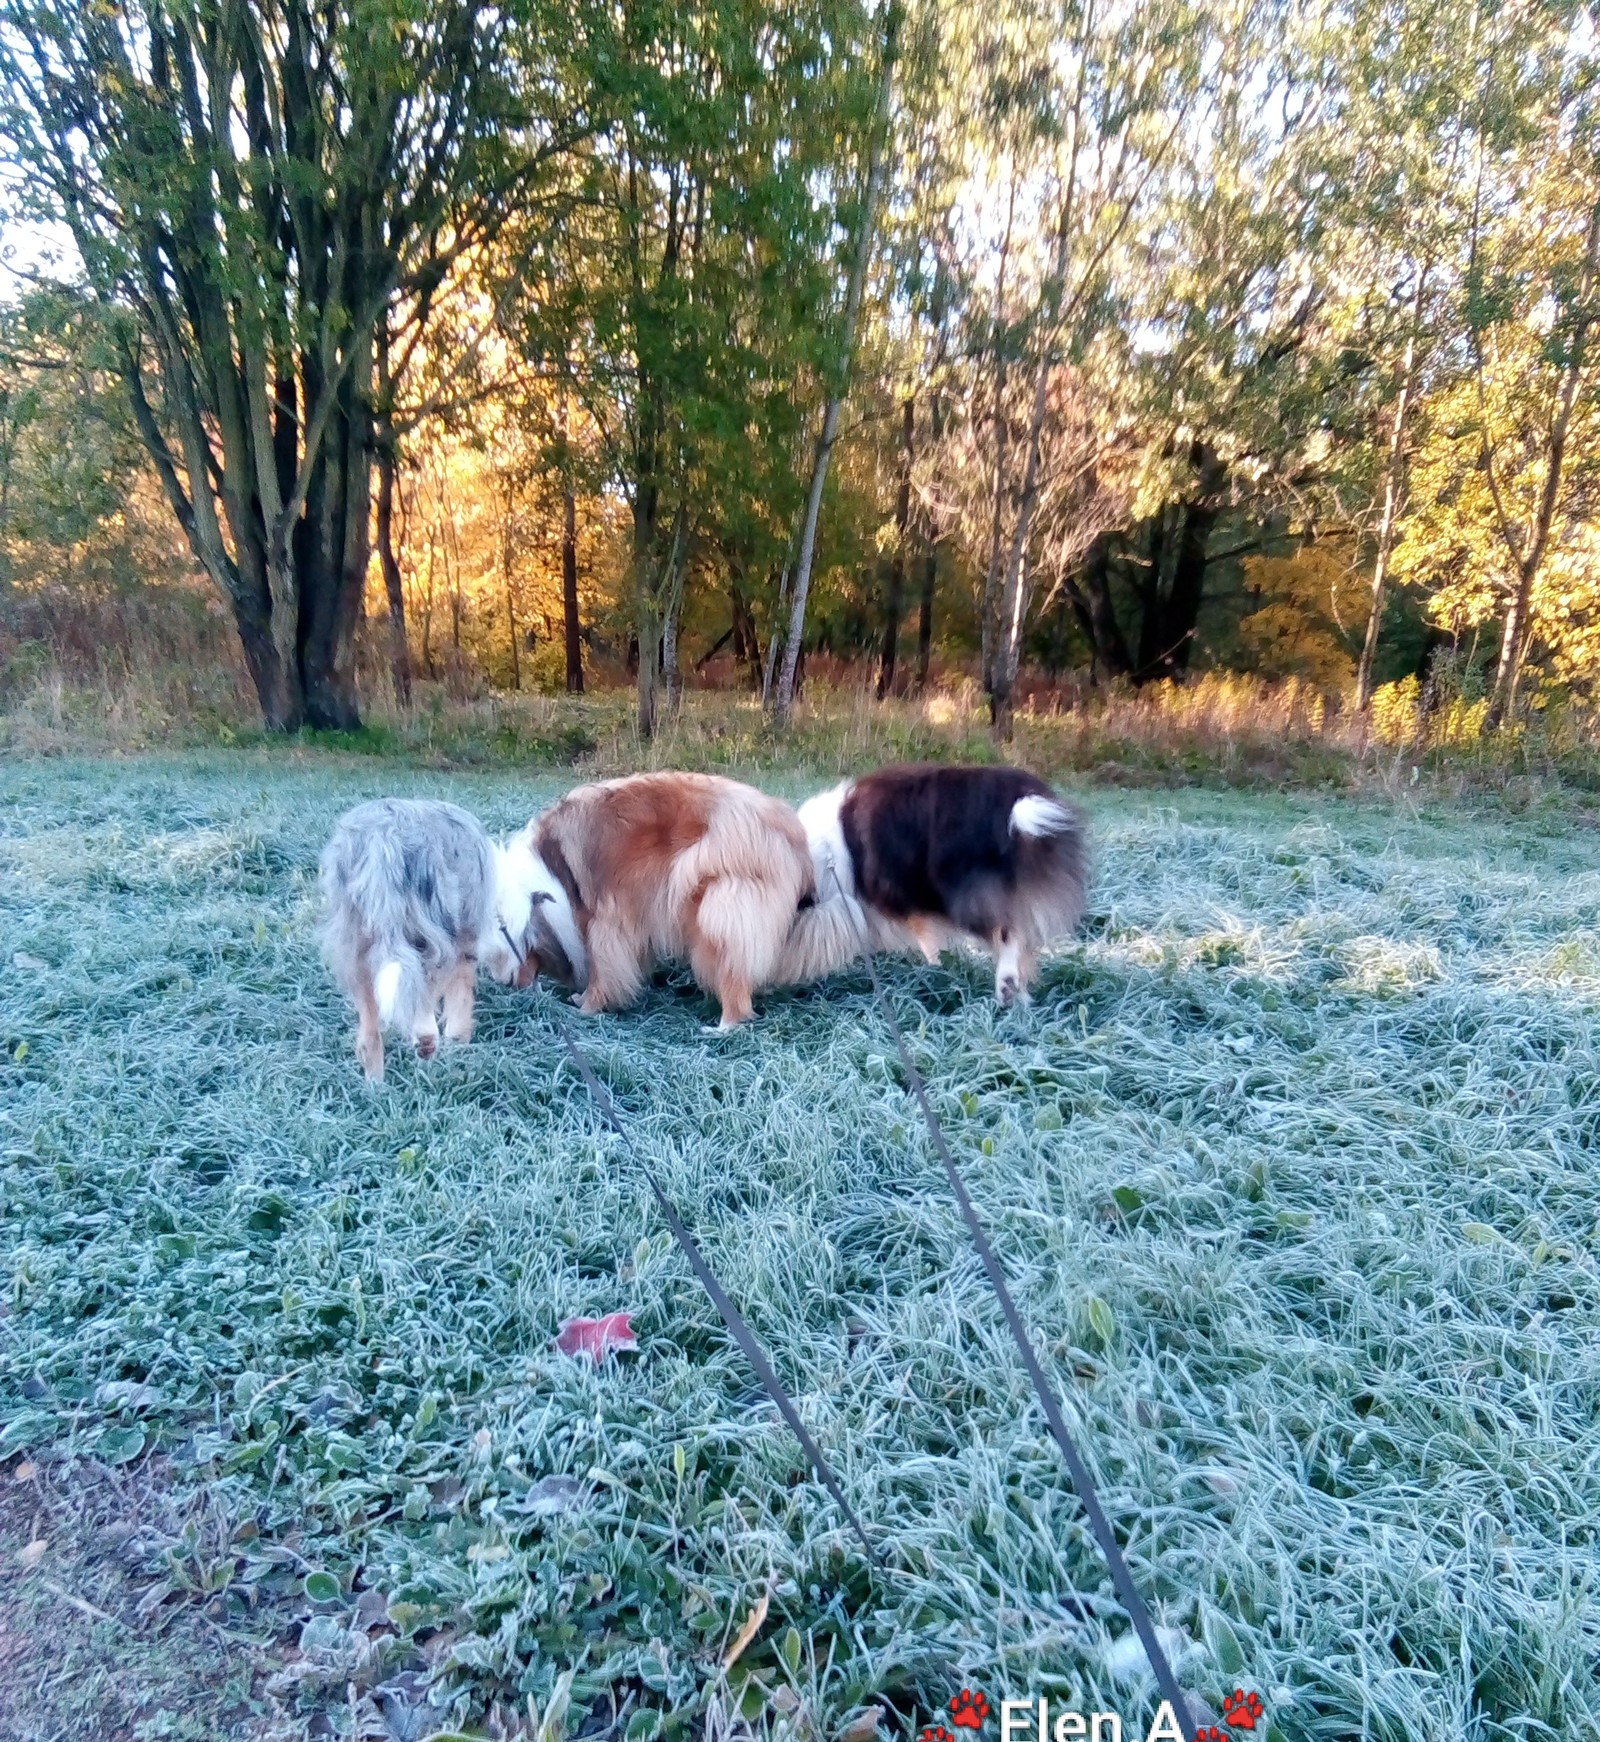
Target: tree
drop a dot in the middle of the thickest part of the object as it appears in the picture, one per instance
(259, 186)
(76, 505)
(1505, 476)
(878, 148)
(687, 290)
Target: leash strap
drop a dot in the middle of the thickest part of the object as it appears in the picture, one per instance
(738, 1327)
(1121, 1575)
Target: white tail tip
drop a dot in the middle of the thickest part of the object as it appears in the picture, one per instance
(386, 984)
(1040, 816)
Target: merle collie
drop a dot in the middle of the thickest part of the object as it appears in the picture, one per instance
(416, 898)
(926, 855)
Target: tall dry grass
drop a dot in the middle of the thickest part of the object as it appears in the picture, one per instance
(160, 665)
(127, 667)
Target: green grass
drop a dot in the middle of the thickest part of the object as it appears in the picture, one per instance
(1291, 1164)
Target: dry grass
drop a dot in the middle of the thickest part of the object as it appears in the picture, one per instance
(160, 667)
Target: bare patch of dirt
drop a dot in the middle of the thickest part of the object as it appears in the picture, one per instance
(80, 1658)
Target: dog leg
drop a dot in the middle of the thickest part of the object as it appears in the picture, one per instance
(734, 997)
(1027, 973)
(458, 1000)
(369, 1033)
(1009, 985)
(735, 934)
(425, 1025)
(930, 939)
(614, 974)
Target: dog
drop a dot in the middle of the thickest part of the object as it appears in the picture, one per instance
(416, 896)
(666, 865)
(922, 856)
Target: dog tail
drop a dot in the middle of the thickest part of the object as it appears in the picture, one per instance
(1050, 868)
(830, 934)
(1039, 817)
(402, 986)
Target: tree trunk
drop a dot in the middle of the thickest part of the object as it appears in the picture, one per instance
(511, 606)
(930, 562)
(1513, 651)
(393, 586)
(647, 620)
(1091, 600)
(569, 589)
(746, 642)
(1393, 479)
(332, 548)
(1014, 599)
(677, 570)
(988, 609)
(897, 568)
(877, 153)
(770, 667)
(1174, 589)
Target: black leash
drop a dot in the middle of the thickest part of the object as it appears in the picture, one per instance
(737, 1325)
(1121, 1575)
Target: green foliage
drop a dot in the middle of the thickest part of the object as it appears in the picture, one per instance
(76, 507)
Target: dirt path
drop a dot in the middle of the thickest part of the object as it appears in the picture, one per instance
(79, 1662)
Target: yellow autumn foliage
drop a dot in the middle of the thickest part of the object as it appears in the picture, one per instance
(1311, 615)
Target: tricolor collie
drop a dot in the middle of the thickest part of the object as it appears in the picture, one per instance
(667, 865)
(932, 855)
(416, 896)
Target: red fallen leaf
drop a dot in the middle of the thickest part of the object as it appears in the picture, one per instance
(596, 1338)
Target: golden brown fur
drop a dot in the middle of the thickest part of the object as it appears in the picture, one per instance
(677, 865)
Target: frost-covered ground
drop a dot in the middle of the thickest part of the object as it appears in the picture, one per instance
(1292, 1164)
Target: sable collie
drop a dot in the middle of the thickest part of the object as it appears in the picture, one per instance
(660, 865)
(928, 855)
(416, 896)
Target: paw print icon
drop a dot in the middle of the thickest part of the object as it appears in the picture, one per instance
(968, 1709)
(1241, 1710)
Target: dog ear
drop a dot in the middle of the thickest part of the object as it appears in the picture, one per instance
(548, 952)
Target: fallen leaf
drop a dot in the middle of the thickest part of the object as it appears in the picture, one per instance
(550, 1495)
(127, 1393)
(32, 963)
(863, 1726)
(37, 1549)
(24, 1472)
(752, 1626)
(596, 1338)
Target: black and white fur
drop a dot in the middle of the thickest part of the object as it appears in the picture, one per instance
(924, 855)
(416, 897)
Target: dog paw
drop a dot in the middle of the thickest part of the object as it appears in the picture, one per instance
(427, 1044)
